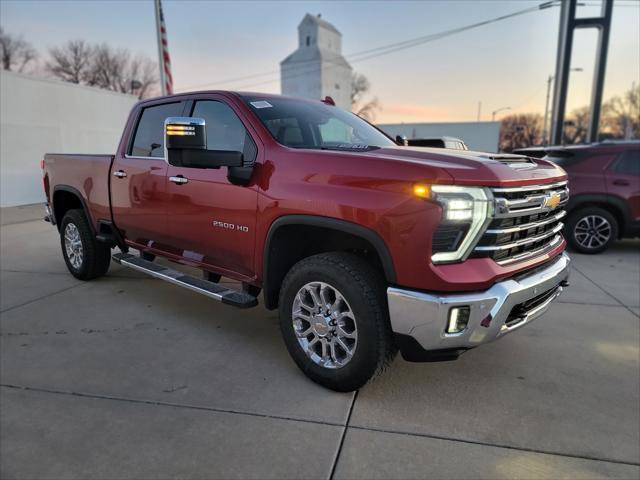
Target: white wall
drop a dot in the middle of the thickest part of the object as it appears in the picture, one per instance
(39, 116)
(479, 136)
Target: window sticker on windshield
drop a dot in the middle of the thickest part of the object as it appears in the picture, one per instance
(261, 104)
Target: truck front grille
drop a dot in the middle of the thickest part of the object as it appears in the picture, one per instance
(526, 222)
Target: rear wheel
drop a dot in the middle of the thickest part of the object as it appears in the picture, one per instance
(86, 258)
(591, 230)
(334, 320)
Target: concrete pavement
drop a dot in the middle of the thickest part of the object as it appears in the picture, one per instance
(129, 377)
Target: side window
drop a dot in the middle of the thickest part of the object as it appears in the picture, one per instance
(148, 140)
(225, 131)
(628, 163)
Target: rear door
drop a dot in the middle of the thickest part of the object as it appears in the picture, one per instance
(138, 182)
(623, 180)
(211, 220)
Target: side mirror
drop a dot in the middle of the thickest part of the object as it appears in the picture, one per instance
(401, 140)
(186, 144)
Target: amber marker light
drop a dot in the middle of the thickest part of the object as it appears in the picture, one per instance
(180, 130)
(421, 190)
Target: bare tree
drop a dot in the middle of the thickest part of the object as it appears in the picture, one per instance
(107, 67)
(117, 70)
(621, 115)
(520, 130)
(140, 76)
(576, 126)
(16, 53)
(71, 62)
(360, 87)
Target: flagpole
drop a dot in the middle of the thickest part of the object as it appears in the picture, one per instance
(163, 80)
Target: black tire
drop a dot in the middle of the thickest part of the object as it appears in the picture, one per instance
(96, 256)
(364, 290)
(582, 239)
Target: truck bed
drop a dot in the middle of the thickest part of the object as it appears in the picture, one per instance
(86, 175)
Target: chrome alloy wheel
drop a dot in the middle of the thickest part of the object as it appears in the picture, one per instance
(324, 325)
(73, 245)
(592, 231)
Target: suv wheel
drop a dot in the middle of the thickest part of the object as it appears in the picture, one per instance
(591, 230)
(86, 258)
(334, 320)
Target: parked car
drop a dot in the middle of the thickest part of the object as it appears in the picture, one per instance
(365, 247)
(604, 179)
(439, 142)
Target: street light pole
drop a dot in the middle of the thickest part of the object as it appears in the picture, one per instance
(493, 114)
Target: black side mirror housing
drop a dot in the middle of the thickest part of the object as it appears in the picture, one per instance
(186, 144)
(205, 158)
(401, 140)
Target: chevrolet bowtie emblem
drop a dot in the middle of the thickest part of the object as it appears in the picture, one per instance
(552, 201)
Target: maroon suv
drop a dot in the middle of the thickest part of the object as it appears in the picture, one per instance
(604, 179)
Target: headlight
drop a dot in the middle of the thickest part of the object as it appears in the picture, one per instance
(465, 211)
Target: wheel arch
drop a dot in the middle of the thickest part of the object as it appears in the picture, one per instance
(612, 204)
(65, 198)
(281, 251)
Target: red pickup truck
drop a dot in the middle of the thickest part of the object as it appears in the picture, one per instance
(364, 246)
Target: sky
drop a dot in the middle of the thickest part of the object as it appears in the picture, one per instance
(505, 64)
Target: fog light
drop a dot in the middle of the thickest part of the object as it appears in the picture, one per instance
(458, 319)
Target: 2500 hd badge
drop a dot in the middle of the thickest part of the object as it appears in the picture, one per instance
(230, 226)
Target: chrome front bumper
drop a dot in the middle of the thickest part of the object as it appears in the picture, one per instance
(419, 319)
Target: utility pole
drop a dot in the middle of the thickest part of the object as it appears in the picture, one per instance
(479, 109)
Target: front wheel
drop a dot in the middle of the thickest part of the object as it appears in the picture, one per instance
(334, 320)
(591, 230)
(86, 258)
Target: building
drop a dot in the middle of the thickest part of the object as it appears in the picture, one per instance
(317, 68)
(479, 136)
(38, 116)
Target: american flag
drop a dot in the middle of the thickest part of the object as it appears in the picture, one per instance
(163, 50)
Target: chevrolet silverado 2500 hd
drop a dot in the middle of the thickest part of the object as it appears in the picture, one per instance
(365, 247)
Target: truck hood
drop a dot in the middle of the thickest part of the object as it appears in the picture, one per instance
(477, 168)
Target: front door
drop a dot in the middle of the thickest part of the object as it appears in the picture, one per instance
(210, 220)
(138, 182)
(623, 181)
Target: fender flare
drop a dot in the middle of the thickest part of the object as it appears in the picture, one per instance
(76, 193)
(365, 233)
(612, 201)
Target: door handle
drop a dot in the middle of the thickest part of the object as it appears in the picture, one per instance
(621, 183)
(178, 179)
(120, 174)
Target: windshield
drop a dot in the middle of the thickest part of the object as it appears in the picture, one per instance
(302, 124)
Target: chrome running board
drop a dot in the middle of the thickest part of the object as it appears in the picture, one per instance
(204, 287)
